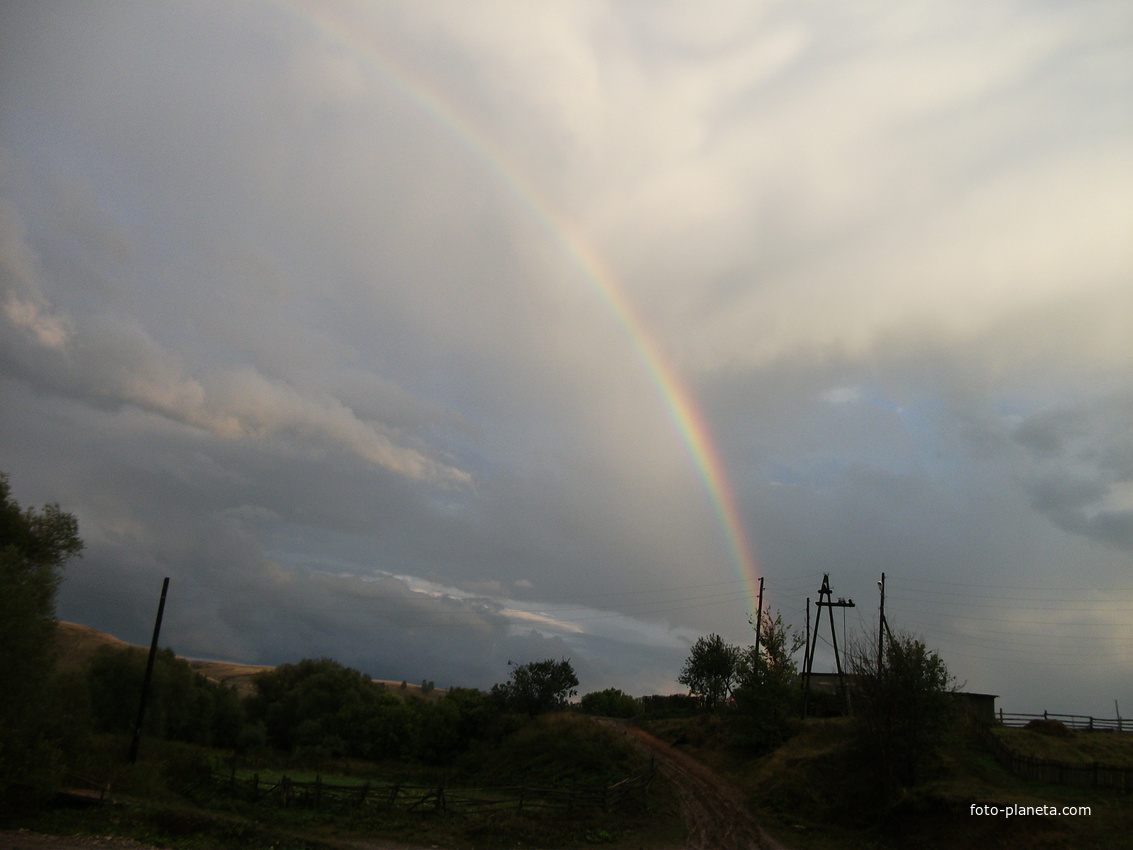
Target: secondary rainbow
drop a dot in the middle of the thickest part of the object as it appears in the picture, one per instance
(679, 402)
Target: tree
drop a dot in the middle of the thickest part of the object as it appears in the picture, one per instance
(902, 712)
(767, 690)
(34, 546)
(710, 671)
(537, 687)
(183, 705)
(317, 703)
(611, 702)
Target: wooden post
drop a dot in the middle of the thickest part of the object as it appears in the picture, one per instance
(759, 622)
(881, 626)
(318, 790)
(149, 674)
(365, 791)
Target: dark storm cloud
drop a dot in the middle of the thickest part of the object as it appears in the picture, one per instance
(1079, 468)
(284, 316)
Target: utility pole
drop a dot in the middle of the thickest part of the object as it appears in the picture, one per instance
(149, 674)
(759, 621)
(806, 664)
(882, 626)
(825, 600)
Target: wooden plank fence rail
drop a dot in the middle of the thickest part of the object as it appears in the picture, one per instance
(1070, 721)
(318, 794)
(1080, 774)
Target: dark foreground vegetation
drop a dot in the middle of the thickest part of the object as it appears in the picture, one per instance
(317, 755)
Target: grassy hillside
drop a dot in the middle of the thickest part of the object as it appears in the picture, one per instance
(810, 795)
(77, 645)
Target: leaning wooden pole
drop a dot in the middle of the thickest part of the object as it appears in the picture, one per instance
(149, 674)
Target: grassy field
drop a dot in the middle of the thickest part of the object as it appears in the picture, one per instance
(809, 793)
(1077, 748)
(168, 800)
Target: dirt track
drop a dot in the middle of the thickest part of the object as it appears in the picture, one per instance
(21, 839)
(713, 810)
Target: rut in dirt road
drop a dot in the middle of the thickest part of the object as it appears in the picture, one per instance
(714, 812)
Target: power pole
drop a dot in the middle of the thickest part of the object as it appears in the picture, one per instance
(825, 600)
(882, 626)
(149, 674)
(759, 620)
(806, 663)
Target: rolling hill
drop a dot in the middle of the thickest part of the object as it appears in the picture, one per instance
(77, 645)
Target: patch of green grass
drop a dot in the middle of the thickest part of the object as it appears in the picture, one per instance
(1080, 747)
(163, 800)
(563, 750)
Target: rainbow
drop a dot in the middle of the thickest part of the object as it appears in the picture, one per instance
(677, 398)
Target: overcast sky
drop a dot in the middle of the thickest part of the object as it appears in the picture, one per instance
(403, 332)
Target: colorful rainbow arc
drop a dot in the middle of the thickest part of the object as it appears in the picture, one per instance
(678, 400)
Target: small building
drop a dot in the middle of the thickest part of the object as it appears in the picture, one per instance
(979, 706)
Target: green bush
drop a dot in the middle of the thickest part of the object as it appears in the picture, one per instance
(182, 706)
(611, 702)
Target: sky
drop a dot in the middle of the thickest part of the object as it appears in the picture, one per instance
(433, 336)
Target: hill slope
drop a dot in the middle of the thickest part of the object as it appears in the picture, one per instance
(77, 645)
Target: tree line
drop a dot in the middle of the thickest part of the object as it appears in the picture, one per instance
(902, 706)
(319, 709)
(309, 711)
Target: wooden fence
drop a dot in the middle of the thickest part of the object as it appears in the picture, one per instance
(1070, 721)
(319, 794)
(1080, 774)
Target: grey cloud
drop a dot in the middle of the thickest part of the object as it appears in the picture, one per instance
(297, 320)
(1078, 467)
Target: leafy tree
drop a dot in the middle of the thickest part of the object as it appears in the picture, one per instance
(34, 546)
(710, 670)
(315, 703)
(767, 689)
(903, 711)
(537, 687)
(183, 705)
(611, 702)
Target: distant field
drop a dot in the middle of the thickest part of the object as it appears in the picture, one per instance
(78, 644)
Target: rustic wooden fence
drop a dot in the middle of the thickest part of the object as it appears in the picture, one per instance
(319, 794)
(1070, 721)
(1080, 774)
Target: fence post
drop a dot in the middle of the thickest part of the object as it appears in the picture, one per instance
(318, 790)
(255, 786)
(365, 791)
(440, 801)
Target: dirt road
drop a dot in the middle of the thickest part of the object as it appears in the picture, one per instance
(713, 810)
